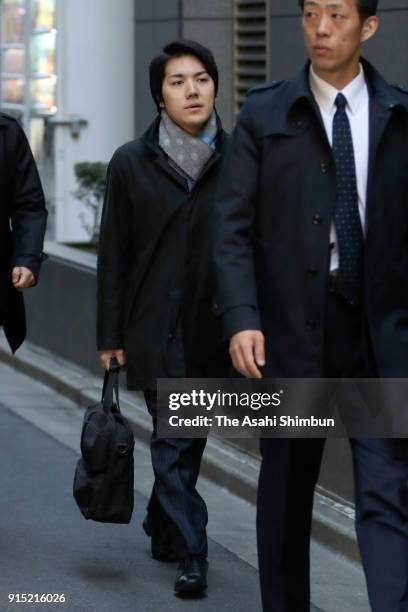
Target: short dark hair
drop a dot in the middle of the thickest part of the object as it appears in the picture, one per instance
(177, 48)
(366, 8)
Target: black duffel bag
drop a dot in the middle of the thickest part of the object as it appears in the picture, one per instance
(103, 482)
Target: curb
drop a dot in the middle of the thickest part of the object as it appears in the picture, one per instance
(222, 463)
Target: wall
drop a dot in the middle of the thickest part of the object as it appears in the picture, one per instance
(157, 22)
(210, 23)
(95, 81)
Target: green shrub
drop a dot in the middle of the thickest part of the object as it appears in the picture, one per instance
(91, 179)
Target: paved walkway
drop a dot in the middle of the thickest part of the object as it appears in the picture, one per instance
(47, 547)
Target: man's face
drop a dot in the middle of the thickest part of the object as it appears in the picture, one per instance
(334, 33)
(188, 93)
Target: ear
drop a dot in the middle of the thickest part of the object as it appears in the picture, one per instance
(369, 28)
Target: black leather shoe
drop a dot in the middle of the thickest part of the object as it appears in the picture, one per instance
(191, 578)
(161, 546)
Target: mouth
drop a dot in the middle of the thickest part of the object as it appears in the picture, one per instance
(194, 107)
(321, 50)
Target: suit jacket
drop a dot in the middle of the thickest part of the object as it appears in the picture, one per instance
(274, 212)
(23, 219)
(155, 273)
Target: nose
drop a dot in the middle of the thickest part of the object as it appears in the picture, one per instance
(323, 27)
(191, 88)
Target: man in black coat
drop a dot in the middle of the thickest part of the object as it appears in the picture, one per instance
(312, 275)
(23, 218)
(155, 282)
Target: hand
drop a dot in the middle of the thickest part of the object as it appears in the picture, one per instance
(22, 278)
(106, 356)
(247, 351)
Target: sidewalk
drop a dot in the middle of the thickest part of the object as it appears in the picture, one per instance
(49, 547)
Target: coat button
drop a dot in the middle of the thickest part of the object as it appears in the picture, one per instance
(317, 219)
(310, 325)
(324, 168)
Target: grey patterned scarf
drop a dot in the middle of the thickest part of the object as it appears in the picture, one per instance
(188, 154)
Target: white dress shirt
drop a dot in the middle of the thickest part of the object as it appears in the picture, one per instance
(357, 110)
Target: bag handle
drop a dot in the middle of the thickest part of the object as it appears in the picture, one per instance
(111, 385)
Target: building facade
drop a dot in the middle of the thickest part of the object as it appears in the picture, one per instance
(67, 72)
(253, 41)
(76, 73)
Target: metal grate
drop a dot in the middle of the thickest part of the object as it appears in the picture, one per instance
(251, 47)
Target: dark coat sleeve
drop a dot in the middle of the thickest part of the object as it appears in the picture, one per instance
(28, 212)
(113, 259)
(236, 299)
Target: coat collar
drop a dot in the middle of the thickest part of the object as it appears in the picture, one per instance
(387, 96)
(295, 96)
(5, 119)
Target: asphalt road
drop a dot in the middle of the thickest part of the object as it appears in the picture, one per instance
(47, 547)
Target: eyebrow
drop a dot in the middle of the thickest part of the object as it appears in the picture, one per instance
(171, 76)
(331, 5)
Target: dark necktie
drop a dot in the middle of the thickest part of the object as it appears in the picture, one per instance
(346, 216)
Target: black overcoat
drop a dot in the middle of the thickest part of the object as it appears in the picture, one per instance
(155, 273)
(23, 219)
(274, 213)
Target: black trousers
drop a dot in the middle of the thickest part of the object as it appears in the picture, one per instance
(289, 473)
(175, 506)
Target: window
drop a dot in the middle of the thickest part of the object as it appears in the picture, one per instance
(27, 69)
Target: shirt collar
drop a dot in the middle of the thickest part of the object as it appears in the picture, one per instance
(325, 94)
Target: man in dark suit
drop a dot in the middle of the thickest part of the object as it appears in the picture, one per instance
(312, 265)
(156, 284)
(23, 219)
